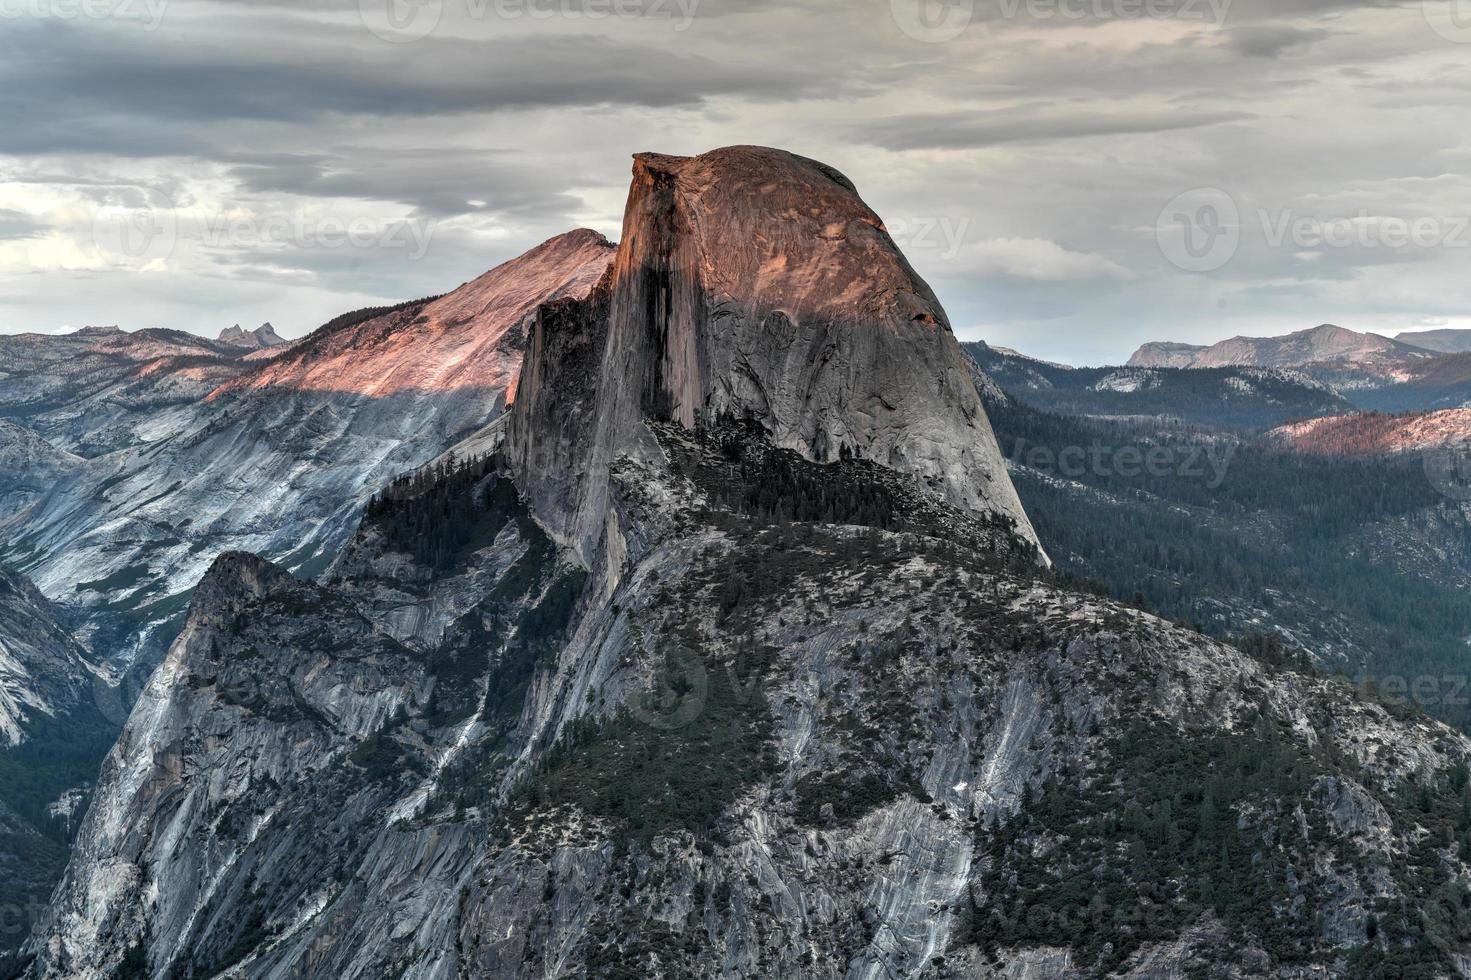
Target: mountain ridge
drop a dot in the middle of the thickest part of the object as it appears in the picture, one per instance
(1374, 433)
(1323, 343)
(1229, 397)
(1446, 341)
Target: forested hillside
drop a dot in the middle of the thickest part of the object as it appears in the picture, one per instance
(1358, 560)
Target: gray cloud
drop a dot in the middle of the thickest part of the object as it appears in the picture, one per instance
(436, 182)
(1272, 42)
(15, 225)
(122, 93)
(1047, 147)
(1030, 124)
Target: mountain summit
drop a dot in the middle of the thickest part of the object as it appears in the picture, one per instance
(757, 284)
(261, 337)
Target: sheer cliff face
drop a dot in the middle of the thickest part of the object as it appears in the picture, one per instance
(757, 283)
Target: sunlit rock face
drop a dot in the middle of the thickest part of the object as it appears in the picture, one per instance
(471, 338)
(756, 283)
(279, 460)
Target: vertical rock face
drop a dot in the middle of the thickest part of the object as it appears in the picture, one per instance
(757, 283)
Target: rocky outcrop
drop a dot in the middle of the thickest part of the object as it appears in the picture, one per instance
(29, 467)
(161, 849)
(1160, 354)
(261, 337)
(754, 283)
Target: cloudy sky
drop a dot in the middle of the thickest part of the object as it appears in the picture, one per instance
(1074, 177)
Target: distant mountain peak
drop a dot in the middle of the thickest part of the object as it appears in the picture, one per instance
(1444, 341)
(261, 337)
(1326, 342)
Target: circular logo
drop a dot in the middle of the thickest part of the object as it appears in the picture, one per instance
(1451, 19)
(133, 238)
(932, 21)
(1449, 470)
(1200, 230)
(681, 688)
(401, 21)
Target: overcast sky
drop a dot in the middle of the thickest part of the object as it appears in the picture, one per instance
(1074, 177)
